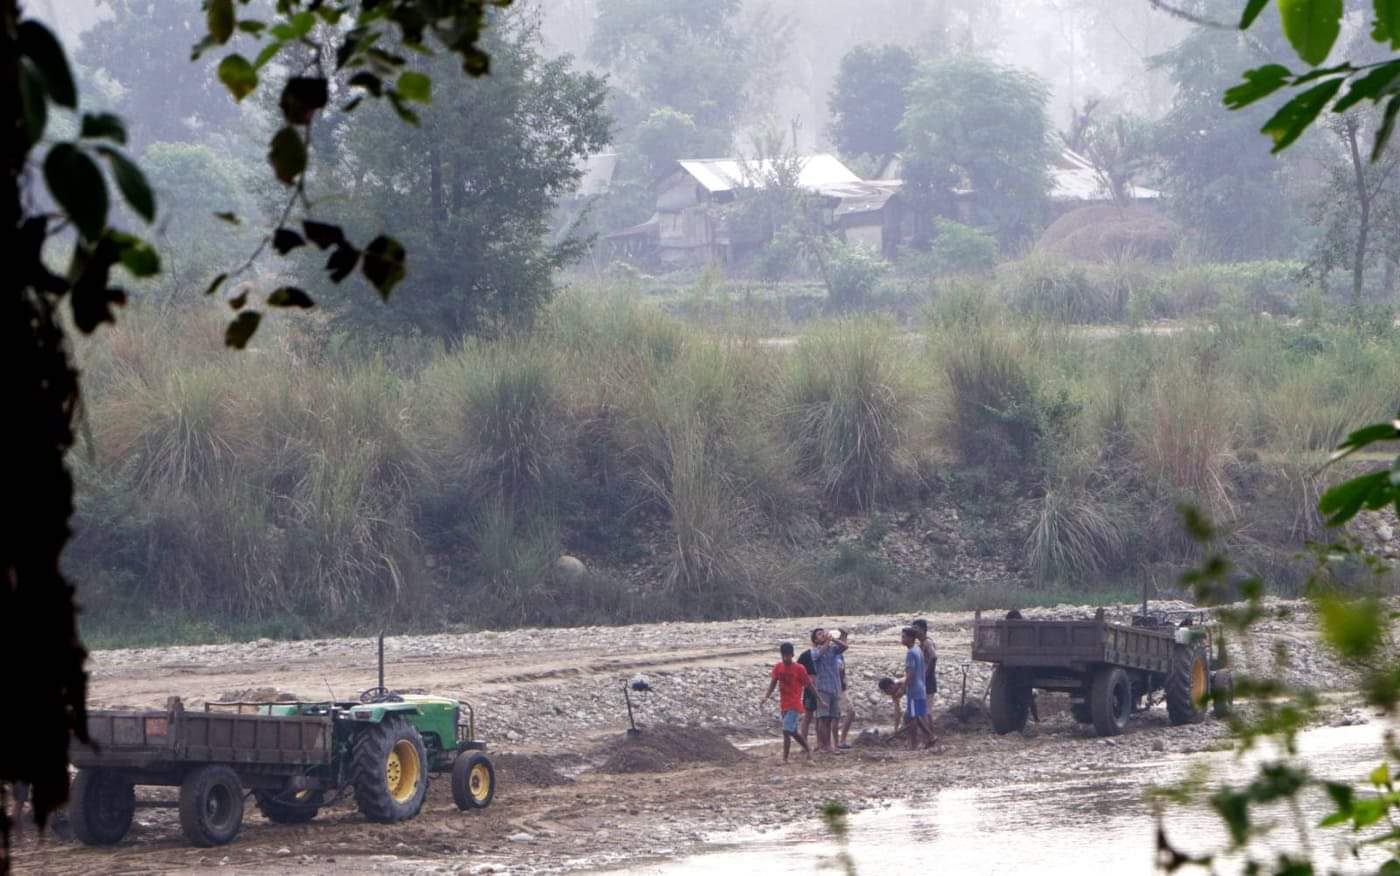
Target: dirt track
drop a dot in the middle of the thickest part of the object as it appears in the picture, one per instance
(551, 701)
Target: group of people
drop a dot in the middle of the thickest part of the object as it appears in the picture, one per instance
(813, 687)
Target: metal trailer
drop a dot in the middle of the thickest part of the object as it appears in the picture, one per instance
(211, 756)
(1110, 670)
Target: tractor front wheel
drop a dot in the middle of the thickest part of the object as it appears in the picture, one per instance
(211, 805)
(100, 807)
(473, 780)
(390, 770)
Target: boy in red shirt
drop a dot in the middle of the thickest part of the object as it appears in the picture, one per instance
(793, 679)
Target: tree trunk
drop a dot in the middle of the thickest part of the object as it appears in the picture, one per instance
(1363, 219)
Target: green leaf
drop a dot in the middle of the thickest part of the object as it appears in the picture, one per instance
(103, 126)
(323, 234)
(385, 264)
(229, 216)
(415, 86)
(1342, 502)
(302, 96)
(369, 82)
(239, 301)
(218, 16)
(284, 240)
(77, 186)
(290, 296)
(136, 255)
(132, 183)
(406, 114)
(38, 44)
(1387, 26)
(252, 26)
(1259, 82)
(1352, 627)
(342, 262)
(215, 284)
(1293, 118)
(1366, 436)
(1368, 87)
(241, 330)
(238, 76)
(267, 53)
(1251, 12)
(1380, 776)
(297, 26)
(1392, 107)
(34, 103)
(1311, 26)
(287, 155)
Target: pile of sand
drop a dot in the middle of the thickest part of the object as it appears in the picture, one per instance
(666, 748)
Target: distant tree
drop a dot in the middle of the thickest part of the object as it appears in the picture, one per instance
(683, 54)
(1358, 211)
(666, 135)
(1119, 147)
(867, 102)
(474, 187)
(1232, 195)
(143, 46)
(972, 122)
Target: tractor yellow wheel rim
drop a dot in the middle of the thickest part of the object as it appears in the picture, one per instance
(401, 771)
(1200, 685)
(479, 782)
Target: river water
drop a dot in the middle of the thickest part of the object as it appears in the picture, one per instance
(1078, 825)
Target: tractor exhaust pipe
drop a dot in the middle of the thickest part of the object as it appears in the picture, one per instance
(381, 660)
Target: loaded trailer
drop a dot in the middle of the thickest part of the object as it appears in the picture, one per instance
(1110, 670)
(293, 758)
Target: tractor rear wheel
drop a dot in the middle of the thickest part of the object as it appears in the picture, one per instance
(1010, 701)
(1188, 683)
(390, 771)
(1222, 688)
(288, 807)
(1110, 700)
(211, 805)
(100, 807)
(473, 780)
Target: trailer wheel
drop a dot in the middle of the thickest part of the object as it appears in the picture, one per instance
(211, 805)
(1111, 700)
(390, 770)
(101, 804)
(1222, 685)
(1010, 702)
(295, 807)
(473, 780)
(1188, 682)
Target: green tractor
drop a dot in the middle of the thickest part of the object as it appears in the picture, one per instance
(385, 745)
(294, 757)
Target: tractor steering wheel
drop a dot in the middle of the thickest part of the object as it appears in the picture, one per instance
(379, 695)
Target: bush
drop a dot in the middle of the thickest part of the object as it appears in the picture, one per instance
(1075, 537)
(852, 273)
(845, 404)
(1060, 291)
(962, 249)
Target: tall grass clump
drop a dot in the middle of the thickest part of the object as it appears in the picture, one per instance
(1061, 291)
(1075, 536)
(995, 414)
(493, 424)
(846, 401)
(1187, 437)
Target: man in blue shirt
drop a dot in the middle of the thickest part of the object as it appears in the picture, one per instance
(915, 693)
(825, 650)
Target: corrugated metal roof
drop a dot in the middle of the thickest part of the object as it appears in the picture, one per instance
(1073, 178)
(726, 174)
